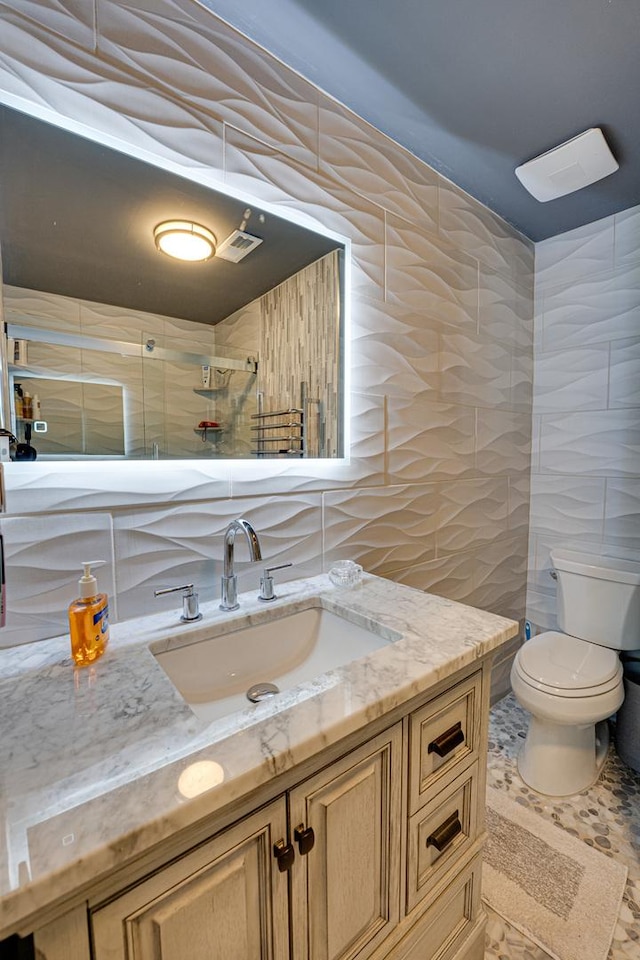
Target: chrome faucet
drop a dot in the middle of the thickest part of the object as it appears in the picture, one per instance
(229, 594)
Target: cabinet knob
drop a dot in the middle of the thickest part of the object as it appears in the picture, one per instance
(446, 833)
(284, 854)
(447, 741)
(305, 838)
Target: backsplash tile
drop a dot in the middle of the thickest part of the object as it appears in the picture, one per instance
(384, 528)
(166, 547)
(43, 557)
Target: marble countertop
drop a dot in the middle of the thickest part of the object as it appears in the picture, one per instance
(90, 758)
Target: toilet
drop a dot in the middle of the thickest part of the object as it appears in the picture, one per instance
(570, 682)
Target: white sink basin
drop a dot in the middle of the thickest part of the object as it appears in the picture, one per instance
(214, 675)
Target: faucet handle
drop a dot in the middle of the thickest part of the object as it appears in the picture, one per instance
(266, 582)
(190, 607)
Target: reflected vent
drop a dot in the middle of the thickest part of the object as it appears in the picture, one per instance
(237, 246)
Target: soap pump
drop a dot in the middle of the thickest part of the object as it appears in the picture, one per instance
(89, 619)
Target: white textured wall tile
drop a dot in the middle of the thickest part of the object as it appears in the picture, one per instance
(156, 548)
(501, 577)
(600, 443)
(574, 256)
(363, 159)
(519, 502)
(212, 66)
(43, 557)
(575, 379)
(384, 528)
(595, 310)
(505, 311)
(624, 373)
(541, 611)
(450, 576)
(55, 74)
(503, 442)
(473, 371)
(627, 235)
(478, 231)
(470, 513)
(37, 308)
(430, 440)
(72, 19)
(427, 276)
(32, 487)
(570, 506)
(395, 350)
(622, 512)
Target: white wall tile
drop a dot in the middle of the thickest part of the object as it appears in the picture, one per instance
(575, 379)
(574, 256)
(43, 557)
(599, 443)
(624, 373)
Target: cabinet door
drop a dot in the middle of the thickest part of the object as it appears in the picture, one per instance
(227, 900)
(345, 896)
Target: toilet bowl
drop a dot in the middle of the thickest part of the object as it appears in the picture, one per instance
(571, 682)
(568, 686)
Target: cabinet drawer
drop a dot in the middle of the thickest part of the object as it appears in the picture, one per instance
(450, 923)
(443, 734)
(440, 833)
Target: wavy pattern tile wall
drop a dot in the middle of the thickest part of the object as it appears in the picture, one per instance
(435, 493)
(585, 489)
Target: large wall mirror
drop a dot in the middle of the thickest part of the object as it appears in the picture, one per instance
(118, 350)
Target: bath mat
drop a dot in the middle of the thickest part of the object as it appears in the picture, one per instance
(559, 892)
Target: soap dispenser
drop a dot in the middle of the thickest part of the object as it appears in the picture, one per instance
(89, 619)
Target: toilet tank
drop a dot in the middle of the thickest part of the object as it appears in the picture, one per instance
(598, 598)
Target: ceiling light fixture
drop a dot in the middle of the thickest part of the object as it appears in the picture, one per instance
(185, 240)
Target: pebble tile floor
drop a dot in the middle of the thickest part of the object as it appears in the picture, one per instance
(607, 817)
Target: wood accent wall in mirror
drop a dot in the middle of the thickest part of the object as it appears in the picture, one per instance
(117, 351)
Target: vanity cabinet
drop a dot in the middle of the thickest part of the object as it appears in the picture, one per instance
(229, 897)
(373, 853)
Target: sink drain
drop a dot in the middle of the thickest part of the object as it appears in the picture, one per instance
(261, 691)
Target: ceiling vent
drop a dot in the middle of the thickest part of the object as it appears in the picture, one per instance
(569, 167)
(237, 246)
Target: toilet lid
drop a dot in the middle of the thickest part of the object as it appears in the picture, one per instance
(566, 663)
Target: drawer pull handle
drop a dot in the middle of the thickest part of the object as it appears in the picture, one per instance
(447, 741)
(446, 833)
(284, 854)
(305, 838)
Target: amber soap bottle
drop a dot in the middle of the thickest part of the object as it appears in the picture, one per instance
(89, 619)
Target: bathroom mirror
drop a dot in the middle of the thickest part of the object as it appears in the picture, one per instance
(116, 350)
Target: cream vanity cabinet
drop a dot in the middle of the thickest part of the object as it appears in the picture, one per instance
(375, 855)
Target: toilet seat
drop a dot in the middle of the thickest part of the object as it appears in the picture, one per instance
(564, 666)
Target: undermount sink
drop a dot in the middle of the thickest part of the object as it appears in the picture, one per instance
(214, 675)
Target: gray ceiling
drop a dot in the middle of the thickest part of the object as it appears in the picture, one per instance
(476, 87)
(77, 219)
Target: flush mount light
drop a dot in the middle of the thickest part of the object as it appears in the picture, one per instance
(185, 240)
